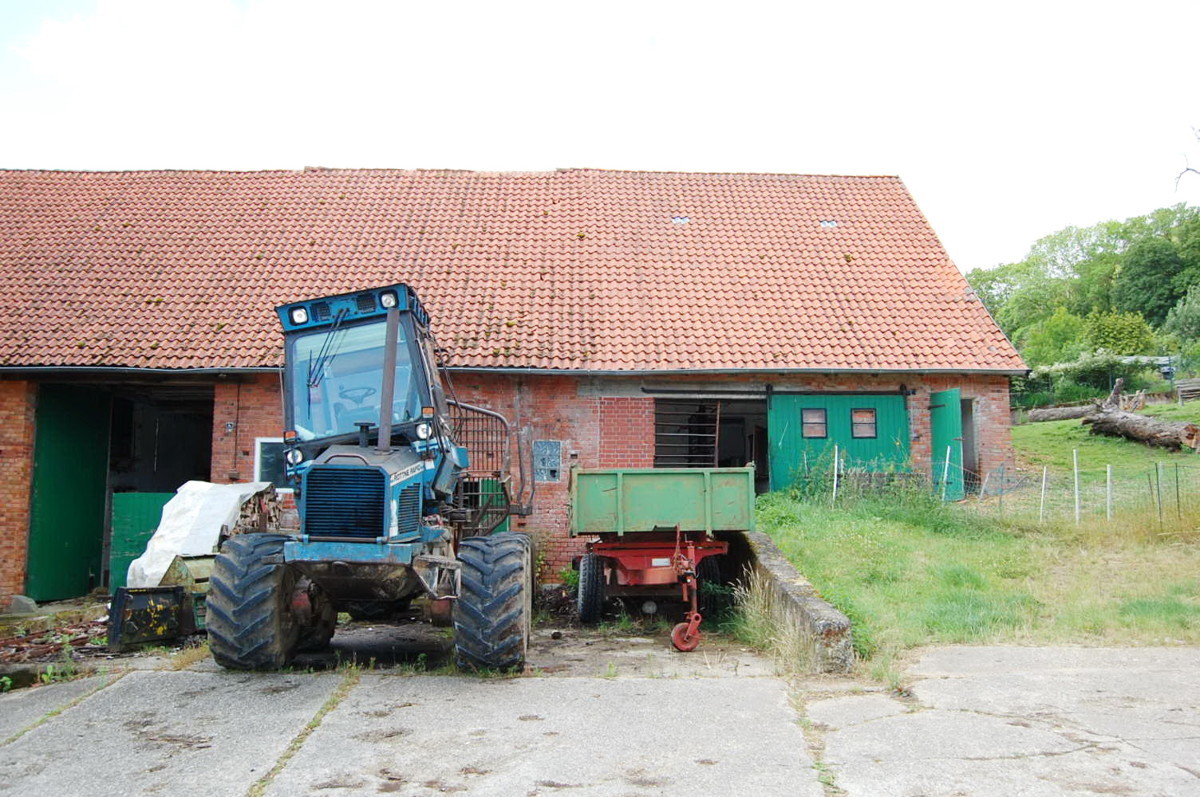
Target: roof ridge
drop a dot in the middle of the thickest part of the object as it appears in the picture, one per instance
(435, 170)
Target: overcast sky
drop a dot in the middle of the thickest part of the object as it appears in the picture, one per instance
(1006, 120)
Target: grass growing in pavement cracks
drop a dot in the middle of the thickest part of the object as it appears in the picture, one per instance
(351, 675)
(910, 571)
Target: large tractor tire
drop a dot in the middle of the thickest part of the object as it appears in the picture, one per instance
(590, 600)
(250, 625)
(495, 607)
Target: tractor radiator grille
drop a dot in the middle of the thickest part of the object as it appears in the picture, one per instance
(408, 510)
(344, 502)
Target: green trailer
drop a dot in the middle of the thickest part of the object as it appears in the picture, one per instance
(654, 535)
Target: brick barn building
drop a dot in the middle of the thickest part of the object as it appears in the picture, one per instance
(620, 318)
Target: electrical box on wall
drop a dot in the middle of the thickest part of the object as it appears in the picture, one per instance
(547, 460)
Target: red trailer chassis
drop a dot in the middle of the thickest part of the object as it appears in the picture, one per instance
(659, 563)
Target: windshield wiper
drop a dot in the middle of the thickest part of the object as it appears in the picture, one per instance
(316, 370)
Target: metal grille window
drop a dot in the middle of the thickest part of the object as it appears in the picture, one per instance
(862, 424)
(685, 433)
(814, 423)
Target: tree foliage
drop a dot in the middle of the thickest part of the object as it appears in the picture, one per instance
(1118, 333)
(1184, 319)
(1147, 281)
(1086, 288)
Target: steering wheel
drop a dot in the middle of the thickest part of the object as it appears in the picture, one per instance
(357, 394)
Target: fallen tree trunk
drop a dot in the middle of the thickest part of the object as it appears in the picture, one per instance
(1062, 413)
(1113, 402)
(1144, 429)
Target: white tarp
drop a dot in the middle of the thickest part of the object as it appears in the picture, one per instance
(191, 524)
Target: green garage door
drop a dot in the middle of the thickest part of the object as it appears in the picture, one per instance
(870, 431)
(70, 484)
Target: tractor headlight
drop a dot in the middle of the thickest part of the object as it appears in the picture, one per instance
(389, 299)
(294, 456)
(424, 430)
(299, 315)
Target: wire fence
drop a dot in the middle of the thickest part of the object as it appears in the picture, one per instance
(1155, 497)
(1158, 495)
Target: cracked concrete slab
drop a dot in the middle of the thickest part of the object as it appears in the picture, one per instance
(23, 708)
(842, 712)
(582, 736)
(1007, 720)
(166, 732)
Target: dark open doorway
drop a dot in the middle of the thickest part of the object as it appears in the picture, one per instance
(107, 457)
(709, 433)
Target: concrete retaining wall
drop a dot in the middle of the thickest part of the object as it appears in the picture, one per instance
(795, 603)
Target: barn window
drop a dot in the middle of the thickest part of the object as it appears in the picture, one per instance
(814, 423)
(862, 424)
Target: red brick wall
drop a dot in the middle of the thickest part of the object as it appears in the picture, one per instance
(17, 404)
(242, 411)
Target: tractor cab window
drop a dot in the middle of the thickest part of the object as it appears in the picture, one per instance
(335, 379)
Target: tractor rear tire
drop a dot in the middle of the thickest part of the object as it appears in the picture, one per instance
(494, 610)
(590, 600)
(250, 625)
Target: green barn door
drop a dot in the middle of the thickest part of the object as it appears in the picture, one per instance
(945, 420)
(70, 485)
(803, 430)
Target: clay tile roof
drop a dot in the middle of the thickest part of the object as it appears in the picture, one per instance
(573, 269)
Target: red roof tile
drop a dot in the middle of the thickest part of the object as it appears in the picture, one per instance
(574, 269)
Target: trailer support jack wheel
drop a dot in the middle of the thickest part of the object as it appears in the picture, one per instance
(686, 635)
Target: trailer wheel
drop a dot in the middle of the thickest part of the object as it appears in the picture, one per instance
(590, 600)
(493, 612)
(250, 625)
(713, 600)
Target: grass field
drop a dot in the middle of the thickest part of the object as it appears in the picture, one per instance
(910, 571)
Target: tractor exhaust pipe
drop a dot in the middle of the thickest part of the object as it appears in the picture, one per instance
(388, 388)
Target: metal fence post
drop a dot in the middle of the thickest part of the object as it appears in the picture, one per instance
(1075, 458)
(1108, 491)
(1042, 502)
(1158, 490)
(836, 460)
(946, 473)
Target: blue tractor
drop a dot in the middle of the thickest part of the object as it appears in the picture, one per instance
(401, 491)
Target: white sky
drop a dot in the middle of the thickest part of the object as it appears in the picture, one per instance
(1007, 121)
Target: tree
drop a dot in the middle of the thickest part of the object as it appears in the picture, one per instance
(1057, 339)
(1118, 333)
(1147, 280)
(1184, 319)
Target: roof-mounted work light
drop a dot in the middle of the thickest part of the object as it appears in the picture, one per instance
(299, 315)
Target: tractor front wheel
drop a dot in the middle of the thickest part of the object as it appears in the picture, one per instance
(250, 624)
(590, 600)
(494, 609)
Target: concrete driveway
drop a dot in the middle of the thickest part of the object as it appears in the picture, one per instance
(596, 717)
(612, 716)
